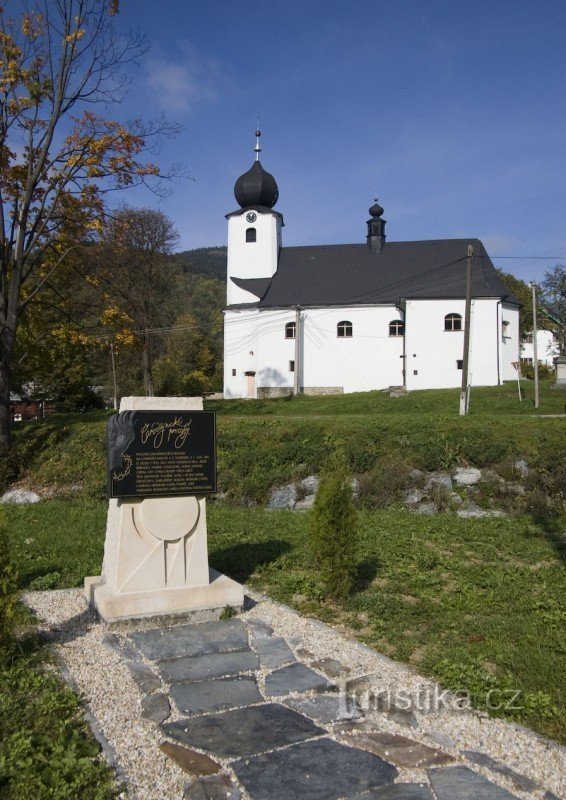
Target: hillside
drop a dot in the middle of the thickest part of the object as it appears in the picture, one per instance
(209, 261)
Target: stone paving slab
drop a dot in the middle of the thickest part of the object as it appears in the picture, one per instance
(295, 678)
(221, 636)
(398, 791)
(243, 732)
(319, 769)
(396, 749)
(323, 707)
(273, 652)
(215, 695)
(189, 760)
(461, 783)
(156, 707)
(217, 787)
(483, 760)
(144, 677)
(210, 665)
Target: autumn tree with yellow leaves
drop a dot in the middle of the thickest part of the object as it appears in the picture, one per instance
(58, 156)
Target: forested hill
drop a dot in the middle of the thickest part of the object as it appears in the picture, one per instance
(209, 261)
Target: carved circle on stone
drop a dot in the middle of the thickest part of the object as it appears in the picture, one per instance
(169, 518)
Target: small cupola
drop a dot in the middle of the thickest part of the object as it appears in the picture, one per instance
(256, 187)
(376, 228)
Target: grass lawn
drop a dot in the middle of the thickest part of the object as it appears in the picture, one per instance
(477, 603)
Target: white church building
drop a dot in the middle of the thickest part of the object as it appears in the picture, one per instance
(355, 317)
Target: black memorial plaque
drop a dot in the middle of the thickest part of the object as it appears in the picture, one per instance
(161, 453)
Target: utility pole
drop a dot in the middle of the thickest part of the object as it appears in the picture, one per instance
(297, 373)
(535, 354)
(114, 376)
(466, 358)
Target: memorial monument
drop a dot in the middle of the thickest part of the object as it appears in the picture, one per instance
(161, 466)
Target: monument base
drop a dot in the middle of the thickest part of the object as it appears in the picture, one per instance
(220, 592)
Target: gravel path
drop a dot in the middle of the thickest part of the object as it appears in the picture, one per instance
(98, 670)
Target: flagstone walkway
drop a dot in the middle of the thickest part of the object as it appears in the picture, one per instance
(231, 710)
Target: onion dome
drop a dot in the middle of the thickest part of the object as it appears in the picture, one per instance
(256, 187)
(376, 210)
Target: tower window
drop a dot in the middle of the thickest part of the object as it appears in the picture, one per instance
(453, 322)
(251, 235)
(291, 366)
(396, 327)
(290, 330)
(504, 328)
(460, 363)
(233, 372)
(344, 329)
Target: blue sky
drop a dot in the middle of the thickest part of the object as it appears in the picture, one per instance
(453, 113)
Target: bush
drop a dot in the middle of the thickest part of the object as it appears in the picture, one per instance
(9, 466)
(332, 533)
(544, 371)
(8, 585)
(385, 483)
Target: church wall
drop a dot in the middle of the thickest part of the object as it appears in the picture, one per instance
(434, 352)
(240, 340)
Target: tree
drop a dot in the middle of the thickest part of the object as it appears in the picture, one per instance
(188, 365)
(133, 269)
(58, 157)
(553, 295)
(333, 529)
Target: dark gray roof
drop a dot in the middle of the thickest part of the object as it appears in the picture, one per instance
(256, 187)
(350, 274)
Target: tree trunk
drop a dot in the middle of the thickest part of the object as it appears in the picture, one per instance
(5, 415)
(146, 364)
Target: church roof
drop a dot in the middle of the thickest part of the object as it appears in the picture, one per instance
(350, 274)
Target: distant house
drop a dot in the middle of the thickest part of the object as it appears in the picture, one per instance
(22, 409)
(547, 347)
(366, 316)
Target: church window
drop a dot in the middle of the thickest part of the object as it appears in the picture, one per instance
(290, 328)
(291, 366)
(344, 329)
(504, 328)
(460, 363)
(453, 322)
(396, 327)
(233, 372)
(251, 235)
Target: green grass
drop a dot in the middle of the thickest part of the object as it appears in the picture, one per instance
(477, 603)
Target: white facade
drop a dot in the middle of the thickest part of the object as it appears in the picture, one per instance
(256, 259)
(547, 347)
(258, 357)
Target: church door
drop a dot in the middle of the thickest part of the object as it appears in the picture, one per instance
(250, 377)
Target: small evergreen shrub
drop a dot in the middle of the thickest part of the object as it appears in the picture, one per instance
(333, 528)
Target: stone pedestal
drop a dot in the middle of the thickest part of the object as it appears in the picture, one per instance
(155, 552)
(560, 365)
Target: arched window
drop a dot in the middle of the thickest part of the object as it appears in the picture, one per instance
(250, 235)
(344, 329)
(290, 328)
(396, 327)
(505, 329)
(453, 322)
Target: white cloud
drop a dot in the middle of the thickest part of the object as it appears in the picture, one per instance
(179, 85)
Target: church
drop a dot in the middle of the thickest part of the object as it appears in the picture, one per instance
(328, 319)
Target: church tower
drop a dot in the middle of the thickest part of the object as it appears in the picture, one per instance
(254, 231)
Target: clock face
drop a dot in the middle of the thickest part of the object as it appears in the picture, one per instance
(251, 217)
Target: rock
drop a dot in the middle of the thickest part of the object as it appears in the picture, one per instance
(515, 488)
(217, 787)
(402, 716)
(306, 503)
(144, 677)
(471, 510)
(355, 484)
(322, 707)
(273, 651)
(331, 667)
(456, 499)
(416, 475)
(439, 480)
(467, 476)
(260, 629)
(490, 476)
(215, 695)
(209, 665)
(522, 468)
(156, 707)
(413, 496)
(310, 484)
(294, 678)
(220, 636)
(283, 497)
(426, 508)
(20, 497)
(189, 760)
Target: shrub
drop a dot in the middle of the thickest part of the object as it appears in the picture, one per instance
(544, 371)
(385, 483)
(332, 533)
(8, 597)
(9, 466)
